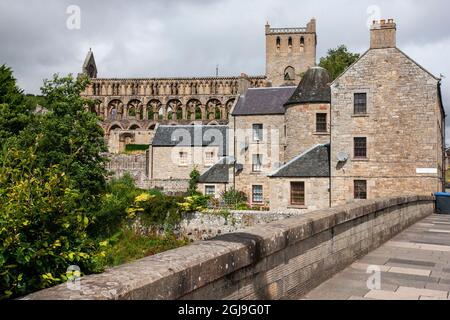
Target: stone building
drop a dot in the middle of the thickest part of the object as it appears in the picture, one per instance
(129, 109)
(387, 125)
(176, 150)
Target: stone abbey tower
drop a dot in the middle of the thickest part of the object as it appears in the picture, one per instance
(131, 108)
(290, 52)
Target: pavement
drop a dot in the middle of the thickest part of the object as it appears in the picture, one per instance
(415, 265)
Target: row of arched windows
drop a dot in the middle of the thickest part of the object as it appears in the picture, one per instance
(290, 41)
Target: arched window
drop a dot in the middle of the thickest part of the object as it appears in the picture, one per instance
(302, 41)
(290, 42)
(278, 42)
(289, 74)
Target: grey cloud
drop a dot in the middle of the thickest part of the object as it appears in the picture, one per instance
(189, 37)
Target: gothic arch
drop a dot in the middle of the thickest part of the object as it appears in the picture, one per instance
(134, 109)
(194, 109)
(213, 109)
(115, 109)
(153, 108)
(289, 74)
(177, 109)
(115, 126)
(134, 126)
(152, 126)
(228, 106)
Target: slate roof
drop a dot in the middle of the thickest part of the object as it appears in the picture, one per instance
(314, 163)
(263, 101)
(313, 88)
(218, 173)
(192, 135)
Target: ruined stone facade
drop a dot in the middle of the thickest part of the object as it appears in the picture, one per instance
(127, 106)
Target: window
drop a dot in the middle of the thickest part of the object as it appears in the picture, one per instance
(289, 74)
(257, 132)
(360, 189)
(278, 42)
(183, 158)
(297, 193)
(290, 42)
(209, 157)
(302, 41)
(360, 103)
(257, 194)
(321, 122)
(360, 147)
(210, 190)
(257, 163)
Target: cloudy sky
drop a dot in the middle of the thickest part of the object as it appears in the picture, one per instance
(190, 37)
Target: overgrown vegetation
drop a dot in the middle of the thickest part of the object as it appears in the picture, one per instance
(56, 209)
(235, 200)
(338, 60)
(130, 148)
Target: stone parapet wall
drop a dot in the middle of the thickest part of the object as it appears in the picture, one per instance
(283, 259)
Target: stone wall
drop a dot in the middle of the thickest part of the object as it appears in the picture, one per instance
(280, 260)
(301, 134)
(317, 196)
(134, 164)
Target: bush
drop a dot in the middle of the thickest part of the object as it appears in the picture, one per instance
(136, 147)
(42, 226)
(234, 199)
(113, 211)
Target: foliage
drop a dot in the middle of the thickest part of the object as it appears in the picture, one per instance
(338, 60)
(194, 203)
(42, 225)
(156, 210)
(193, 182)
(136, 147)
(15, 113)
(69, 136)
(119, 196)
(127, 246)
(234, 199)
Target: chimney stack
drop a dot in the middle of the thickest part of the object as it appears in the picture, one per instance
(383, 34)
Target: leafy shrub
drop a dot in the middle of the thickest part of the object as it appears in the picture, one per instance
(157, 210)
(193, 182)
(113, 211)
(194, 203)
(136, 147)
(42, 226)
(234, 199)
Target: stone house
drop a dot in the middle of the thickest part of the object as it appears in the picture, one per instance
(387, 125)
(176, 150)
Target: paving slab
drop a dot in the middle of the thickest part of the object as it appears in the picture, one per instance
(414, 265)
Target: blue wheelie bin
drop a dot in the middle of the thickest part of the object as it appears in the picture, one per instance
(442, 203)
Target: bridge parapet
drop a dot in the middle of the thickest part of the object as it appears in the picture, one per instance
(284, 259)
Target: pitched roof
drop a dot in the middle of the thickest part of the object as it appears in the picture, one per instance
(218, 173)
(263, 101)
(192, 135)
(314, 163)
(313, 88)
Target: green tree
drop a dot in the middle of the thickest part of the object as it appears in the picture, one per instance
(338, 60)
(42, 226)
(15, 113)
(69, 136)
(193, 182)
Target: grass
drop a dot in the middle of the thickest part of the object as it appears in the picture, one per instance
(128, 246)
